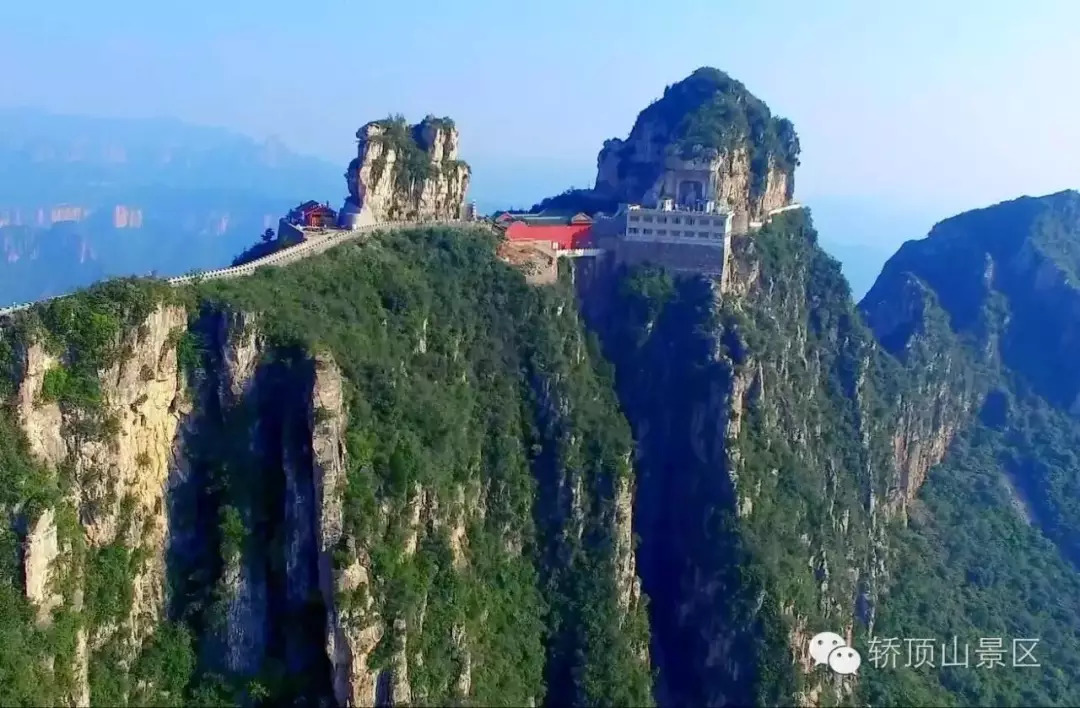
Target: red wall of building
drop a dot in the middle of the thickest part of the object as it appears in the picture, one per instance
(567, 236)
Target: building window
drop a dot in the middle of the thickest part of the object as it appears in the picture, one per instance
(661, 232)
(677, 220)
(718, 222)
(633, 230)
(704, 234)
(635, 218)
(674, 232)
(647, 219)
(661, 219)
(689, 221)
(646, 232)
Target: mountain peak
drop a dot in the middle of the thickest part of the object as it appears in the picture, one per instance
(707, 137)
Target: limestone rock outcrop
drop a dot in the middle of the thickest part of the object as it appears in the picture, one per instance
(986, 290)
(706, 139)
(39, 555)
(406, 172)
(118, 486)
(351, 635)
(207, 488)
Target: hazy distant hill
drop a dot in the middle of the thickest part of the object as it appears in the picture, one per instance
(82, 197)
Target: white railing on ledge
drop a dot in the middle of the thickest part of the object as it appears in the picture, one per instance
(309, 247)
(782, 209)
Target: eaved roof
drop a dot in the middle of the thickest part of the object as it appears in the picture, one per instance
(551, 218)
(542, 219)
(311, 205)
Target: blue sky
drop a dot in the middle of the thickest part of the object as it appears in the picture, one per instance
(907, 111)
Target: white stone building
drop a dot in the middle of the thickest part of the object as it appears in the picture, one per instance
(666, 223)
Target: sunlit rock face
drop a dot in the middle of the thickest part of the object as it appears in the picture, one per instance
(406, 173)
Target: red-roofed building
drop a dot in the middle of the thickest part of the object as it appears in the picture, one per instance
(312, 214)
(561, 237)
(565, 236)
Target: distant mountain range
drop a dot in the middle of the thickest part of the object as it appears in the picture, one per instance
(85, 198)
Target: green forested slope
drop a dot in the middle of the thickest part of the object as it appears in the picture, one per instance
(506, 381)
(458, 375)
(761, 417)
(991, 550)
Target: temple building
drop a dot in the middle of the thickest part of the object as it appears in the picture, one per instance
(312, 214)
(559, 232)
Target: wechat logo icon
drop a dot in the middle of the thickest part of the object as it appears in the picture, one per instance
(831, 649)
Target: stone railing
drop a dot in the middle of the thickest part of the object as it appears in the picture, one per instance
(789, 207)
(309, 247)
(754, 225)
(25, 306)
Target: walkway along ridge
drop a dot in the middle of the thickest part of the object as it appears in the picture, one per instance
(300, 251)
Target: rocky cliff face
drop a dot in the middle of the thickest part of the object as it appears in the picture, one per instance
(407, 172)
(116, 488)
(706, 139)
(970, 304)
(419, 488)
(1006, 278)
(400, 475)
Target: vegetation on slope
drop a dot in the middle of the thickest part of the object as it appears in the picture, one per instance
(991, 546)
(501, 382)
(23, 678)
(747, 537)
(86, 333)
(709, 109)
(458, 375)
(991, 551)
(572, 201)
(971, 566)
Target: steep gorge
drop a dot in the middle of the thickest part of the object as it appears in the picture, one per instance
(777, 445)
